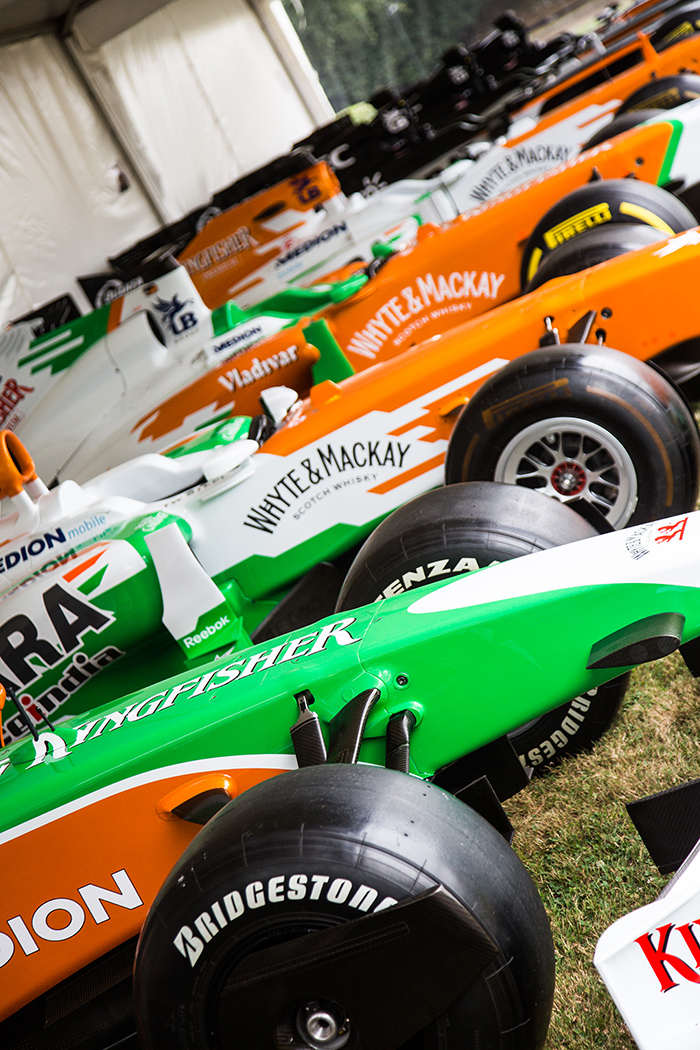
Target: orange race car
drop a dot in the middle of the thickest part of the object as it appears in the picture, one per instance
(167, 384)
(458, 271)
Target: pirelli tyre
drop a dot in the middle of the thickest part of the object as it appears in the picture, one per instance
(586, 422)
(625, 122)
(663, 93)
(602, 203)
(460, 528)
(345, 906)
(684, 22)
(593, 247)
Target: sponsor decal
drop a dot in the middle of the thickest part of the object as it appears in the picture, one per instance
(10, 396)
(667, 966)
(245, 335)
(191, 940)
(305, 188)
(249, 663)
(237, 379)
(87, 526)
(227, 249)
(306, 246)
(579, 223)
(62, 918)
(78, 671)
(426, 292)
(115, 289)
(316, 468)
(639, 541)
(434, 570)
(32, 549)
(519, 163)
(173, 316)
(194, 639)
(569, 725)
(673, 531)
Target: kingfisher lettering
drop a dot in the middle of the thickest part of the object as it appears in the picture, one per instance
(248, 664)
(10, 396)
(667, 966)
(227, 248)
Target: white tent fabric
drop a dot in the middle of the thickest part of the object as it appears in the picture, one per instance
(198, 88)
(197, 96)
(62, 210)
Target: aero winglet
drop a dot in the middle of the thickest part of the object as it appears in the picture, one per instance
(639, 642)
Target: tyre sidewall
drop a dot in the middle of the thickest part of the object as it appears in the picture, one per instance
(603, 203)
(301, 828)
(594, 384)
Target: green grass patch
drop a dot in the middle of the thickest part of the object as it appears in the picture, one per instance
(574, 836)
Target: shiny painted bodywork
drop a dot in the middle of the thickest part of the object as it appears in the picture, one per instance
(98, 794)
(159, 380)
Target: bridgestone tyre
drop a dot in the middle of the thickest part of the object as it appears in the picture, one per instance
(582, 422)
(317, 847)
(663, 93)
(453, 530)
(593, 247)
(603, 203)
(625, 122)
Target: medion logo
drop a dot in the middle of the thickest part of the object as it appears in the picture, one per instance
(62, 918)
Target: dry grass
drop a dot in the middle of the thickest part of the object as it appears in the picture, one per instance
(574, 835)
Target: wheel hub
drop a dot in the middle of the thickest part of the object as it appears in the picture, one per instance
(323, 1025)
(568, 479)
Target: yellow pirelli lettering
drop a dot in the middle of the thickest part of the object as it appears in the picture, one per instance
(583, 220)
(645, 216)
(534, 263)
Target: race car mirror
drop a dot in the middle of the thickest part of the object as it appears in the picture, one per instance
(18, 482)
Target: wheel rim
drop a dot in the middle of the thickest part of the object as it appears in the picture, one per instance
(569, 458)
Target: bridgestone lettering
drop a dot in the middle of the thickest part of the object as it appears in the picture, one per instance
(191, 940)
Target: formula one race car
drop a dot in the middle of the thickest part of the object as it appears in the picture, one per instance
(176, 537)
(536, 124)
(309, 890)
(160, 363)
(302, 227)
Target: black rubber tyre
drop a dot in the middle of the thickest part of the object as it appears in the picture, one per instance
(663, 93)
(582, 422)
(453, 530)
(682, 23)
(593, 247)
(603, 203)
(617, 125)
(317, 847)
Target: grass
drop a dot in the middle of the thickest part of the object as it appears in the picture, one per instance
(574, 836)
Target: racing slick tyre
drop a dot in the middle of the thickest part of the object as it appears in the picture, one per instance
(601, 203)
(453, 530)
(663, 93)
(276, 926)
(593, 247)
(582, 422)
(684, 22)
(617, 125)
